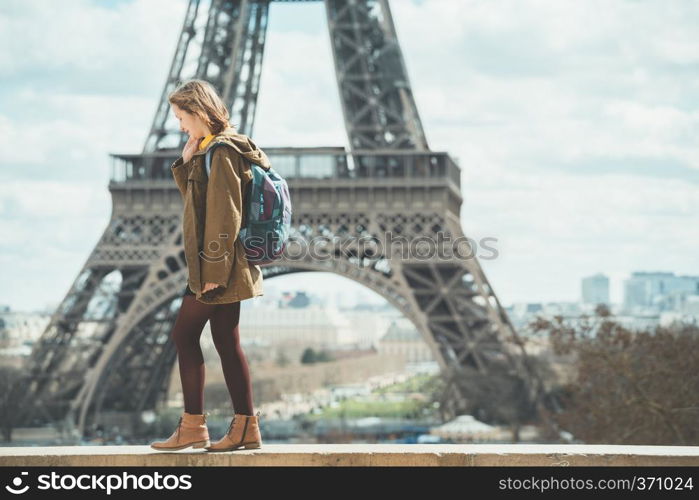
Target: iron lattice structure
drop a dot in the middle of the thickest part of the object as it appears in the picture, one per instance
(106, 355)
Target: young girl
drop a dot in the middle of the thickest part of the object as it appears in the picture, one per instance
(219, 275)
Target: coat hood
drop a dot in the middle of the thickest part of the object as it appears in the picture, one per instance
(241, 143)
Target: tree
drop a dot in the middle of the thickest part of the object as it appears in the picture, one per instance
(628, 386)
(308, 356)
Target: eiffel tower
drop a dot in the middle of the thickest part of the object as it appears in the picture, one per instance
(106, 355)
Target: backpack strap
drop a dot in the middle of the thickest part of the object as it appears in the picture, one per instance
(207, 158)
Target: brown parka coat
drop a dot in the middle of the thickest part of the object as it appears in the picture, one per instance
(212, 217)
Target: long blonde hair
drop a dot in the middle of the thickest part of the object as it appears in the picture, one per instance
(199, 97)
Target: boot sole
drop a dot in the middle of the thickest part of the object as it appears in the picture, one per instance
(198, 444)
(249, 446)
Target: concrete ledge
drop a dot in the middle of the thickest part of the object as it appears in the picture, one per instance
(357, 455)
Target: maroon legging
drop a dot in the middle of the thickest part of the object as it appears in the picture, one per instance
(225, 331)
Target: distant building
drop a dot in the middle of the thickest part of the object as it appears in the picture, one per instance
(369, 326)
(466, 429)
(691, 305)
(17, 327)
(525, 308)
(595, 289)
(403, 339)
(18, 332)
(313, 326)
(662, 291)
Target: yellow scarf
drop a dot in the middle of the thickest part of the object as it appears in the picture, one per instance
(206, 141)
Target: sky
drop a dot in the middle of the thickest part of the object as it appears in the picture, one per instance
(575, 125)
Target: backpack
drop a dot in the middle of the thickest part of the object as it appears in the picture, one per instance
(266, 223)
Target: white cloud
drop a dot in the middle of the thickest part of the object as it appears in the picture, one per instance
(75, 127)
(298, 103)
(48, 229)
(594, 86)
(574, 128)
(87, 45)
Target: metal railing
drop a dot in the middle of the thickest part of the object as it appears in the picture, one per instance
(309, 163)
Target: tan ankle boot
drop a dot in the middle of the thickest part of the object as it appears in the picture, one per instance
(191, 431)
(244, 431)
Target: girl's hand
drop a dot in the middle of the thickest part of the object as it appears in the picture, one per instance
(209, 286)
(190, 148)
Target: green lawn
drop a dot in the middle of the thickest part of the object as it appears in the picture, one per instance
(419, 383)
(409, 408)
